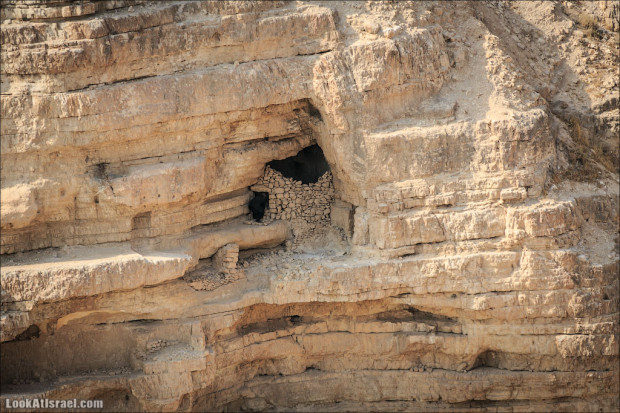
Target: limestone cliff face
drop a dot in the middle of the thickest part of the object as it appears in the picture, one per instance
(460, 253)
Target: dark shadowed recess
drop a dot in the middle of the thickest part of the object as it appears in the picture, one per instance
(307, 166)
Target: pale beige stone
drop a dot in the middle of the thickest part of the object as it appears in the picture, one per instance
(460, 254)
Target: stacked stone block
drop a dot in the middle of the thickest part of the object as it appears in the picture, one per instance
(220, 270)
(290, 199)
(225, 259)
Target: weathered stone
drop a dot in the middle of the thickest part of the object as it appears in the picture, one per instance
(459, 254)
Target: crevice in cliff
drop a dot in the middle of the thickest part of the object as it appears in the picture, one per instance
(307, 166)
(299, 189)
(30, 333)
(249, 142)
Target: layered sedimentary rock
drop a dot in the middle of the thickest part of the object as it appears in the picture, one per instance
(461, 253)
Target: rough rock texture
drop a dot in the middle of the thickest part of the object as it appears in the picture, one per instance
(213, 273)
(466, 257)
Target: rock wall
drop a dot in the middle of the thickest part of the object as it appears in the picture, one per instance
(465, 258)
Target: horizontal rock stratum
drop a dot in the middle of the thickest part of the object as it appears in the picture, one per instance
(460, 253)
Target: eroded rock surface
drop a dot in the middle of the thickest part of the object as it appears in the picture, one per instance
(461, 253)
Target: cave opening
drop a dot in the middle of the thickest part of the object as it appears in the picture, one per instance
(298, 189)
(307, 166)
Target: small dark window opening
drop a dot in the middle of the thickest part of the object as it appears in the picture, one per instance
(258, 204)
(307, 166)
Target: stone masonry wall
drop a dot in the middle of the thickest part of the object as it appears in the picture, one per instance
(290, 199)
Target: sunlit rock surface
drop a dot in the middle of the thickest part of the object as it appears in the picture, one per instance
(461, 253)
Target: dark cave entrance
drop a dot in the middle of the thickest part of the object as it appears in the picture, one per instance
(307, 166)
(298, 189)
